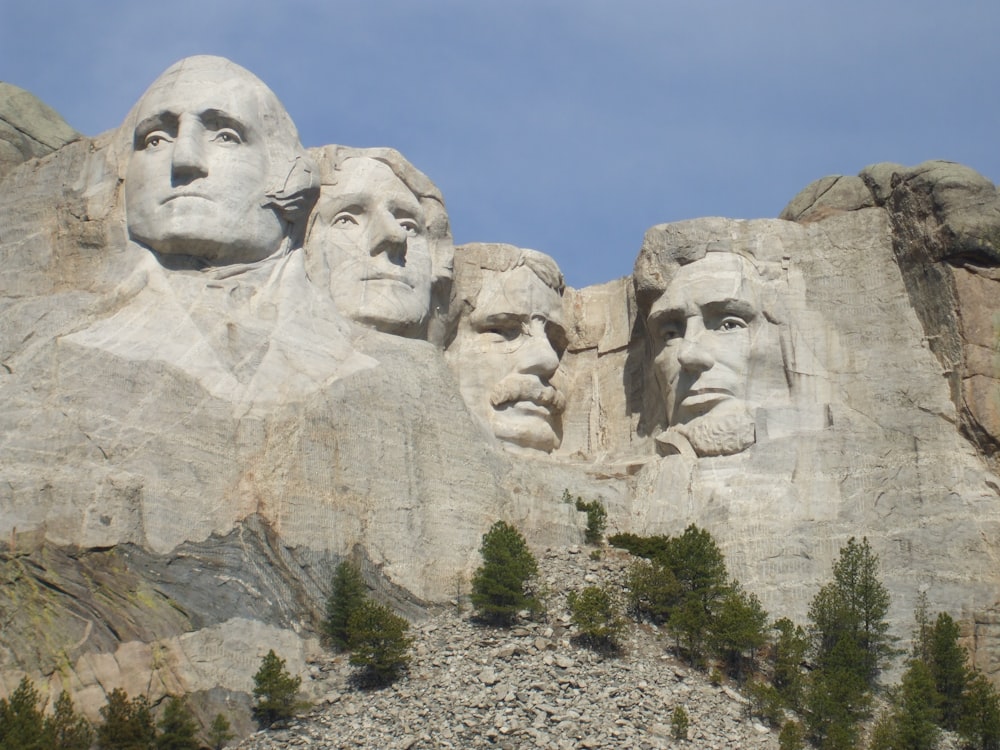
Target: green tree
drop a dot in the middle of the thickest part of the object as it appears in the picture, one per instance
(836, 699)
(791, 736)
(853, 607)
(679, 723)
(65, 729)
(653, 591)
(917, 712)
(219, 733)
(127, 724)
(946, 660)
(498, 585)
(790, 648)
(700, 570)
(378, 643)
(347, 594)
(178, 728)
(21, 720)
(737, 630)
(597, 519)
(980, 721)
(598, 617)
(648, 547)
(275, 691)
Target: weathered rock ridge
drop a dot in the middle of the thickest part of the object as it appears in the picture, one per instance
(187, 451)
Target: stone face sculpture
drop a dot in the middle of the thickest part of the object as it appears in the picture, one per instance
(216, 168)
(704, 328)
(378, 238)
(509, 341)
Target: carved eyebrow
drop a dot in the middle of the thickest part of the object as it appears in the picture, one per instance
(732, 306)
(497, 319)
(216, 119)
(166, 121)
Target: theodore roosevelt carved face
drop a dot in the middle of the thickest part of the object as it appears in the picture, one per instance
(216, 169)
(509, 343)
(703, 329)
(370, 229)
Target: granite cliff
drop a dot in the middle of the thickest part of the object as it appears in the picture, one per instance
(202, 417)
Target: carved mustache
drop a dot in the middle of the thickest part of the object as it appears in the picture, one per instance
(514, 388)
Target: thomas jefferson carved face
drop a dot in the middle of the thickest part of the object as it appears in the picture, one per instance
(505, 353)
(371, 230)
(200, 167)
(703, 328)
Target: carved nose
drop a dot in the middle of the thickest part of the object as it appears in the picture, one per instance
(188, 156)
(388, 237)
(536, 355)
(693, 357)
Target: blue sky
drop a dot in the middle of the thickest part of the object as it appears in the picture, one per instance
(567, 126)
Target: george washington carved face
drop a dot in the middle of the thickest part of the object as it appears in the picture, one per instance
(210, 145)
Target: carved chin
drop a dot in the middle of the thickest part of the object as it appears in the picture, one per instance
(715, 434)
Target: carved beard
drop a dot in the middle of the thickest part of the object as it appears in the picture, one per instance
(713, 434)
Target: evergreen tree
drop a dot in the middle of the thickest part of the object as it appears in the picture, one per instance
(980, 721)
(700, 570)
(178, 728)
(21, 719)
(127, 724)
(348, 592)
(498, 586)
(653, 591)
(836, 699)
(597, 615)
(378, 643)
(853, 607)
(65, 729)
(275, 691)
(220, 732)
(738, 629)
(790, 648)
(947, 666)
(917, 711)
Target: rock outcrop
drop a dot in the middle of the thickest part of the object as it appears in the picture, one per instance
(193, 435)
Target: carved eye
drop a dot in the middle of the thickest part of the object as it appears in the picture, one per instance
(228, 136)
(410, 227)
(504, 332)
(344, 219)
(732, 323)
(671, 330)
(154, 140)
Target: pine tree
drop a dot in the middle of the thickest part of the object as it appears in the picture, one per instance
(178, 728)
(653, 591)
(378, 643)
(738, 629)
(498, 586)
(275, 691)
(980, 722)
(947, 666)
(21, 719)
(127, 724)
(219, 733)
(700, 570)
(790, 650)
(917, 711)
(65, 729)
(597, 615)
(348, 592)
(853, 606)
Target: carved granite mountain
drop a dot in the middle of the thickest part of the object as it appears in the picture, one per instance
(195, 432)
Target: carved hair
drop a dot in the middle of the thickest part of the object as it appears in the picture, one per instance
(474, 258)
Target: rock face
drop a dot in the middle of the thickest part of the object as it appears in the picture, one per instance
(28, 128)
(196, 431)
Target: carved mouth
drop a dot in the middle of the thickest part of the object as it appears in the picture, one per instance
(529, 395)
(705, 397)
(175, 196)
(387, 277)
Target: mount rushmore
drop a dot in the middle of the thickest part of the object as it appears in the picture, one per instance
(228, 362)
